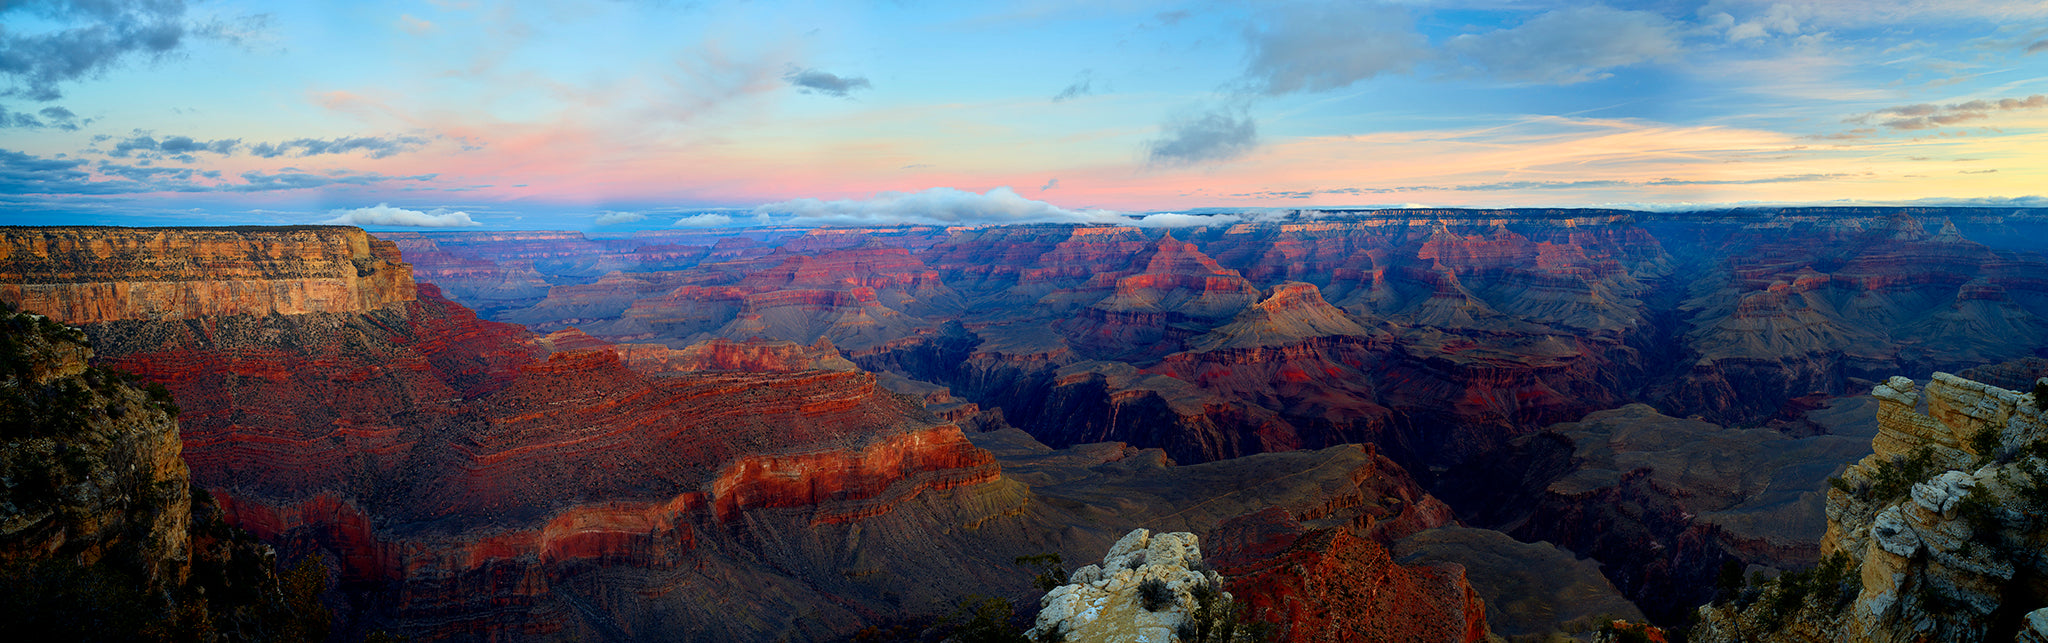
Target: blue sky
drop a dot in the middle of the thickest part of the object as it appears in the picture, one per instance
(610, 115)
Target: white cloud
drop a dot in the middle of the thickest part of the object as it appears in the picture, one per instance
(935, 206)
(1178, 220)
(384, 214)
(711, 221)
(610, 218)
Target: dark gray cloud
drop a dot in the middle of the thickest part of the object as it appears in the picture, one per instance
(1929, 115)
(1082, 86)
(2038, 46)
(95, 36)
(23, 173)
(1567, 46)
(143, 144)
(375, 147)
(1217, 135)
(52, 116)
(1315, 47)
(256, 181)
(812, 81)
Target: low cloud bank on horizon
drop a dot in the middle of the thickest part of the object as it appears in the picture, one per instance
(944, 206)
(384, 215)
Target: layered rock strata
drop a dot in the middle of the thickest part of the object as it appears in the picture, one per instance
(102, 536)
(469, 479)
(96, 275)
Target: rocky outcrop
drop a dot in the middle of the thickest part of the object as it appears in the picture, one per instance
(1936, 536)
(1145, 589)
(1321, 585)
(102, 536)
(95, 275)
(1329, 584)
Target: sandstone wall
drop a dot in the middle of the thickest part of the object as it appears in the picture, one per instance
(85, 275)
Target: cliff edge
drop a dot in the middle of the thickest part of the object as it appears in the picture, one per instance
(1938, 535)
(86, 275)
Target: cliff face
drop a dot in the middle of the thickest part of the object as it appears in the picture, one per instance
(470, 479)
(1936, 536)
(101, 535)
(94, 275)
(92, 464)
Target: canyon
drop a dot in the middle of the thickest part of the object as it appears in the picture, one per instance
(770, 433)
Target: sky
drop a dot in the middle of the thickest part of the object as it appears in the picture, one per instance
(613, 115)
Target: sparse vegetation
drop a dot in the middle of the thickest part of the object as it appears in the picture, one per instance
(2041, 394)
(1829, 587)
(1897, 476)
(1051, 572)
(1215, 618)
(1155, 595)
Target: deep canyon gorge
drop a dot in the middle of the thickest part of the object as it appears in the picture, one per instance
(1498, 423)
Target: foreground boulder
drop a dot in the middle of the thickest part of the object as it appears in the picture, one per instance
(1273, 579)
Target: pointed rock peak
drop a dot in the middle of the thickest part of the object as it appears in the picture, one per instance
(1949, 231)
(1293, 313)
(1174, 256)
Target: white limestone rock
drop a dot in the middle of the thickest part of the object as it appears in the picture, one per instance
(1102, 602)
(1894, 534)
(1941, 494)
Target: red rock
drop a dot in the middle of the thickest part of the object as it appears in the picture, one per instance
(1329, 585)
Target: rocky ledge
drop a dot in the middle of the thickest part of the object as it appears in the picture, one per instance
(1938, 535)
(81, 275)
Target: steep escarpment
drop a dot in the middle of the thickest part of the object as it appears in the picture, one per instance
(102, 536)
(94, 275)
(469, 479)
(1662, 502)
(1936, 536)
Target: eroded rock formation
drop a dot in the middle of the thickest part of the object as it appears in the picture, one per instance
(1938, 535)
(102, 536)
